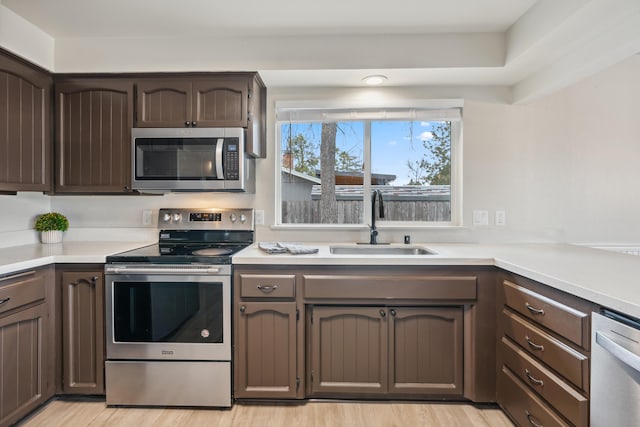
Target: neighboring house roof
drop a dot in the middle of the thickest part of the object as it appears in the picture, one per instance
(343, 178)
(301, 175)
(357, 178)
(401, 192)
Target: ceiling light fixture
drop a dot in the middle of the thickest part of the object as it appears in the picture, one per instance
(374, 80)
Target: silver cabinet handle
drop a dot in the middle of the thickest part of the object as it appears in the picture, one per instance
(625, 356)
(533, 309)
(533, 379)
(7, 299)
(533, 345)
(532, 420)
(267, 288)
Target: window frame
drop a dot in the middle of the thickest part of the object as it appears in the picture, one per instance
(284, 108)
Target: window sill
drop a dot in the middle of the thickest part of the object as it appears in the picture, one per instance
(389, 227)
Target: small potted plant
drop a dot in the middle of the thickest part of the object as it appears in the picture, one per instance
(51, 226)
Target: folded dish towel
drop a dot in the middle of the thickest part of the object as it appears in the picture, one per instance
(281, 247)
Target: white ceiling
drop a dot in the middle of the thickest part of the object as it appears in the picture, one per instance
(530, 46)
(132, 18)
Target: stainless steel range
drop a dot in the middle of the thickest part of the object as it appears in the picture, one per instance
(169, 311)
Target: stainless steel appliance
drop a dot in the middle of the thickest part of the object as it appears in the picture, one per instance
(169, 311)
(615, 370)
(190, 159)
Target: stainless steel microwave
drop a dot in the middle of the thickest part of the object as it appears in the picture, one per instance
(190, 159)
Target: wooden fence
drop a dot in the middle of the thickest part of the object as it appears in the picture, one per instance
(350, 211)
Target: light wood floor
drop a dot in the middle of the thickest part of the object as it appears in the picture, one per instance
(93, 412)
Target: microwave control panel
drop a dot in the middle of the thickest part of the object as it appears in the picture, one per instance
(231, 159)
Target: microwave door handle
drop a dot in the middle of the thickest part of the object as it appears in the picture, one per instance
(219, 147)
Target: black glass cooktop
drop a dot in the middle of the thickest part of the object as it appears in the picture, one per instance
(184, 254)
(188, 247)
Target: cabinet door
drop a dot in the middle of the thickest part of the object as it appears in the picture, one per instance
(23, 352)
(256, 143)
(265, 350)
(164, 103)
(425, 350)
(348, 350)
(221, 101)
(95, 118)
(25, 140)
(82, 332)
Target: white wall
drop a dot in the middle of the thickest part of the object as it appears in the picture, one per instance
(25, 39)
(564, 168)
(18, 215)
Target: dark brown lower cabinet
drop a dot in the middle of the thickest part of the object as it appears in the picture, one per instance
(524, 406)
(26, 342)
(364, 332)
(23, 354)
(542, 354)
(403, 351)
(348, 350)
(265, 350)
(425, 350)
(82, 332)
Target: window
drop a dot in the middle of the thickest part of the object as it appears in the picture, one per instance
(332, 159)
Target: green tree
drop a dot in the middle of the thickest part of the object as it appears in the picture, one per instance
(435, 168)
(346, 162)
(439, 169)
(416, 171)
(304, 154)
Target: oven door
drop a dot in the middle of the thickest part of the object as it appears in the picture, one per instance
(157, 314)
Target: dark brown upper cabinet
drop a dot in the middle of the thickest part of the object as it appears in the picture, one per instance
(93, 135)
(214, 100)
(25, 140)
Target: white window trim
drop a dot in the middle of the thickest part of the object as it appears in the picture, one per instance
(312, 110)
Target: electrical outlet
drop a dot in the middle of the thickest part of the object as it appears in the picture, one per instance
(480, 217)
(501, 218)
(259, 217)
(146, 217)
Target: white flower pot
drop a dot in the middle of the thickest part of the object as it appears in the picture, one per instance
(53, 236)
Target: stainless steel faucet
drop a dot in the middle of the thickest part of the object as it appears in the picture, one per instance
(373, 233)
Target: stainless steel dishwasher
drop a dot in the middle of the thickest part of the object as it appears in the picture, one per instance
(615, 370)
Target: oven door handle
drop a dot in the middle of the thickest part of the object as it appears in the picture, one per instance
(162, 270)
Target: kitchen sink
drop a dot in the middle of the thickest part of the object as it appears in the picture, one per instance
(380, 250)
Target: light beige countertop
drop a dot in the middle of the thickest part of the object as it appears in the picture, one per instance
(16, 258)
(606, 278)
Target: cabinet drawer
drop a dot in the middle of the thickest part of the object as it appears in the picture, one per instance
(267, 286)
(571, 404)
(381, 287)
(561, 319)
(20, 289)
(523, 405)
(561, 358)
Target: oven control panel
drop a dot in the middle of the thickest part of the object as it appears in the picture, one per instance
(205, 216)
(205, 219)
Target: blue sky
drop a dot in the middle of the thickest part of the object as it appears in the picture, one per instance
(393, 143)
